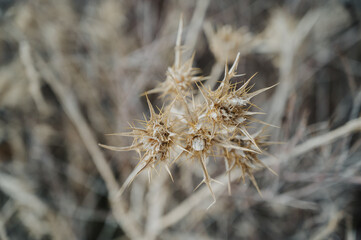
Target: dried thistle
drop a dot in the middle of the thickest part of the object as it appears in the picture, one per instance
(199, 139)
(153, 142)
(247, 161)
(226, 42)
(197, 129)
(181, 77)
(229, 106)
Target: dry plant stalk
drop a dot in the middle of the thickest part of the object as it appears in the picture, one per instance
(216, 124)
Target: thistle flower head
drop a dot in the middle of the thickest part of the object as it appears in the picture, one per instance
(189, 129)
(153, 142)
(223, 102)
(226, 42)
(181, 77)
(247, 161)
(229, 107)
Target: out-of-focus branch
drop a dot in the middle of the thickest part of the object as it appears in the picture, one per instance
(324, 139)
(195, 26)
(19, 191)
(157, 200)
(71, 108)
(187, 205)
(330, 228)
(34, 79)
(216, 72)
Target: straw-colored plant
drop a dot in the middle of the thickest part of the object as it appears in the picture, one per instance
(226, 42)
(214, 124)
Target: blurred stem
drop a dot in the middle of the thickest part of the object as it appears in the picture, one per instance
(195, 26)
(157, 197)
(216, 72)
(327, 138)
(71, 108)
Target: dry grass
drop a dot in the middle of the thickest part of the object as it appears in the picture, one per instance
(71, 71)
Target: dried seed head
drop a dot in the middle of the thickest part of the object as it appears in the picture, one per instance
(226, 42)
(247, 161)
(217, 123)
(229, 107)
(181, 77)
(153, 142)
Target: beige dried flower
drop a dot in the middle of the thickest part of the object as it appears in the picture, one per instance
(247, 161)
(197, 129)
(199, 139)
(181, 77)
(153, 143)
(226, 42)
(229, 106)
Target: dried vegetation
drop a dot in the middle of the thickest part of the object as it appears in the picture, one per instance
(71, 71)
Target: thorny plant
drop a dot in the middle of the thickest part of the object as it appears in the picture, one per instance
(215, 124)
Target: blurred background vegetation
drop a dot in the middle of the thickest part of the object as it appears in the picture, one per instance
(72, 71)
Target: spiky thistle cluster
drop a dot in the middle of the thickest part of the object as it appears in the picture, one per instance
(199, 126)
